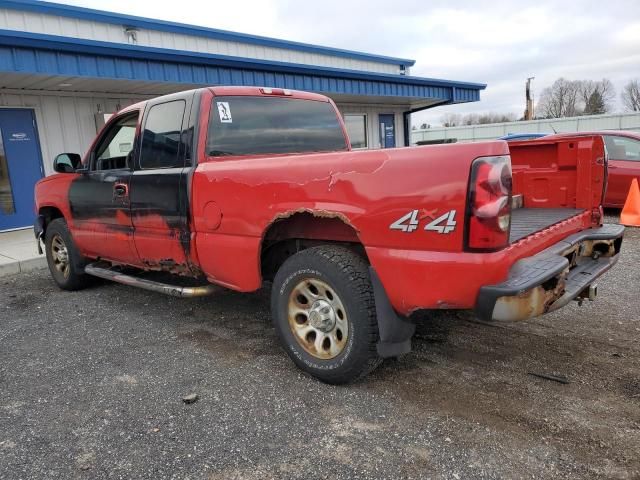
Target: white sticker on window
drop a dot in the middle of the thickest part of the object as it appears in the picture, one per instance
(224, 111)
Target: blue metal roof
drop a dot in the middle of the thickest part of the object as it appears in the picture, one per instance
(173, 27)
(23, 52)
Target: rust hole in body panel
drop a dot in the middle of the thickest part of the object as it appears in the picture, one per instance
(292, 231)
(171, 266)
(318, 213)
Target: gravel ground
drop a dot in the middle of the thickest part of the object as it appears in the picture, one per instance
(91, 386)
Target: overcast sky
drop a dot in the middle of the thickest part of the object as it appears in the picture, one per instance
(499, 43)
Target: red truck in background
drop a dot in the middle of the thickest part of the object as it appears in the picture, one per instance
(623, 154)
(236, 186)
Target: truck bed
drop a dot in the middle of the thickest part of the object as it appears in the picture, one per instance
(526, 221)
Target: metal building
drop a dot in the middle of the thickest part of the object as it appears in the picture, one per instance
(64, 69)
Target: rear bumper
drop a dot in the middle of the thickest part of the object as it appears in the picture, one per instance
(552, 278)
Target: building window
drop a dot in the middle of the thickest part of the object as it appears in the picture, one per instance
(357, 130)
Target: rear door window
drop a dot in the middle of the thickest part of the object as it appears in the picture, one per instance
(161, 136)
(272, 125)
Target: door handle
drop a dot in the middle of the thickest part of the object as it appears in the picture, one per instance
(120, 190)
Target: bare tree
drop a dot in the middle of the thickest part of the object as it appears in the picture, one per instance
(560, 99)
(631, 95)
(451, 120)
(454, 120)
(596, 96)
(471, 119)
(485, 118)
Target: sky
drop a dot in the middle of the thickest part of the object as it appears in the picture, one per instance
(499, 43)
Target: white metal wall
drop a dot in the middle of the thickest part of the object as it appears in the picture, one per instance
(373, 124)
(625, 121)
(70, 27)
(66, 123)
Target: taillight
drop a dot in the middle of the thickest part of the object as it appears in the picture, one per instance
(489, 204)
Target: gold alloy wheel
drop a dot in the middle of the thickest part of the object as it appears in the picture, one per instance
(60, 255)
(318, 319)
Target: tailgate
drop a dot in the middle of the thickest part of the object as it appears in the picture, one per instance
(565, 176)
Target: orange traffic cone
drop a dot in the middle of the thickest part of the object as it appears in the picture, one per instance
(630, 215)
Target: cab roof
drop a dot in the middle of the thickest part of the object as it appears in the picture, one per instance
(240, 91)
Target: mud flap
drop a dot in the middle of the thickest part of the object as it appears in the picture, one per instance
(38, 230)
(395, 332)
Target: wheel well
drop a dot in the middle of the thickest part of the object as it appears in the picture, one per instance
(299, 231)
(50, 214)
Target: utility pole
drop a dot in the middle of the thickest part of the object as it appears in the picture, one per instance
(528, 111)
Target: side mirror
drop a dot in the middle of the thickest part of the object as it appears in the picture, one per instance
(67, 163)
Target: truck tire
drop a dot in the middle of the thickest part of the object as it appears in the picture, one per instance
(324, 313)
(65, 262)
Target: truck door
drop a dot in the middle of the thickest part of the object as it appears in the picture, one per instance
(99, 198)
(159, 194)
(624, 166)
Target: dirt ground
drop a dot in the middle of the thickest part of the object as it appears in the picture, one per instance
(91, 386)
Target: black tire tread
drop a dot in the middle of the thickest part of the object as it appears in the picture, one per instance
(356, 270)
(77, 279)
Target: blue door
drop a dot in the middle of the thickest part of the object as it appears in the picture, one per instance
(20, 167)
(387, 131)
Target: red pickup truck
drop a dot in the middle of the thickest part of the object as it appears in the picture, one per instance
(238, 186)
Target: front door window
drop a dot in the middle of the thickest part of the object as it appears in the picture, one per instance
(113, 151)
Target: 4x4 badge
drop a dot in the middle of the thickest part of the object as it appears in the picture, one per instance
(445, 223)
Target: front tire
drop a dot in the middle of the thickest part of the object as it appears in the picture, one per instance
(324, 313)
(65, 262)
